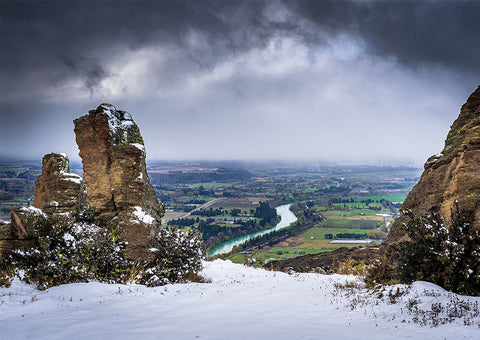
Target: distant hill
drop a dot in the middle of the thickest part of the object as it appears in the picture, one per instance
(198, 175)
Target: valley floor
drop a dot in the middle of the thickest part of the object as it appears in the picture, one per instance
(239, 303)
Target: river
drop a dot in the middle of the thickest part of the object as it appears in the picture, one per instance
(286, 218)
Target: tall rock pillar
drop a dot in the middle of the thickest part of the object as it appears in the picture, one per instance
(113, 156)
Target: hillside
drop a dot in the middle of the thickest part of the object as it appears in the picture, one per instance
(239, 303)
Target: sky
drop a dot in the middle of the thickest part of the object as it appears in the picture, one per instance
(340, 81)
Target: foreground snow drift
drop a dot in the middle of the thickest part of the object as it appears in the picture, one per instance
(239, 303)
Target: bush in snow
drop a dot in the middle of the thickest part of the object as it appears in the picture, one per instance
(177, 257)
(447, 257)
(80, 251)
(72, 252)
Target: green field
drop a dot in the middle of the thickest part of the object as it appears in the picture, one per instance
(400, 198)
(312, 241)
(275, 253)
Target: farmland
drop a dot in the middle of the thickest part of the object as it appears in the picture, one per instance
(223, 200)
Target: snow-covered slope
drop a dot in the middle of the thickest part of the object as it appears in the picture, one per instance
(239, 303)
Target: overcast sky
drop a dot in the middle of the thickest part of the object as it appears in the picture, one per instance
(360, 81)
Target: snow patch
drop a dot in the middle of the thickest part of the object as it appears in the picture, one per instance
(239, 303)
(117, 119)
(139, 146)
(34, 210)
(68, 176)
(142, 216)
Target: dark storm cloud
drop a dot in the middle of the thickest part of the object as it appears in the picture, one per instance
(413, 32)
(214, 65)
(62, 35)
(89, 70)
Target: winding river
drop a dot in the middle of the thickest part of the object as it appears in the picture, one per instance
(286, 218)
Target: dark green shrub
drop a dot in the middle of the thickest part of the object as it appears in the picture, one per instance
(447, 257)
(80, 251)
(177, 256)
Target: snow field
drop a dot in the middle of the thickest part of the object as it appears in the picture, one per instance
(239, 303)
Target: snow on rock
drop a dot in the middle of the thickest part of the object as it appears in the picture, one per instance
(117, 119)
(34, 210)
(239, 303)
(69, 176)
(142, 216)
(139, 146)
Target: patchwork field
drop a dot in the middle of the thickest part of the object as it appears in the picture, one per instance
(349, 220)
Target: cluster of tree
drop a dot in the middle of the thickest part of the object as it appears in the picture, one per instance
(304, 211)
(447, 257)
(277, 235)
(340, 200)
(346, 235)
(266, 213)
(213, 234)
(374, 208)
(208, 213)
(335, 190)
(377, 234)
(196, 201)
(270, 237)
(205, 192)
(183, 222)
(227, 193)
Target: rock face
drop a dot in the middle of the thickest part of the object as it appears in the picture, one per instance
(57, 190)
(118, 186)
(451, 176)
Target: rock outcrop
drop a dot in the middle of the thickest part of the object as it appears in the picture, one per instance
(57, 190)
(451, 178)
(118, 186)
(113, 156)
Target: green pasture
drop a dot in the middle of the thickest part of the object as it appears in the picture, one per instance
(399, 198)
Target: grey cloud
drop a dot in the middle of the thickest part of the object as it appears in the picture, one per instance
(413, 32)
(89, 70)
(57, 44)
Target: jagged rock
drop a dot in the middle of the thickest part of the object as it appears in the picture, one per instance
(451, 176)
(57, 190)
(113, 156)
(29, 222)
